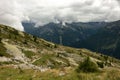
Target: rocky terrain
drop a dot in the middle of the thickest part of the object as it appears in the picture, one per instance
(26, 57)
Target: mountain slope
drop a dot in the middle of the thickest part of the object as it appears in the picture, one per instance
(67, 34)
(107, 40)
(26, 57)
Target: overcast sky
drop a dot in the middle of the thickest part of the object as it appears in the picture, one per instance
(13, 12)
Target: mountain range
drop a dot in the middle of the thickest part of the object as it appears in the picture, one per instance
(97, 36)
(70, 33)
(106, 40)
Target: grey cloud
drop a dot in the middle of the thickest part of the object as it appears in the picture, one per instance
(103, 12)
(13, 12)
(87, 3)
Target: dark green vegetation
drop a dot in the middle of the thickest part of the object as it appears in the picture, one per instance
(3, 51)
(26, 57)
(87, 66)
(29, 54)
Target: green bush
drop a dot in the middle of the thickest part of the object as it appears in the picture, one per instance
(29, 54)
(9, 62)
(3, 51)
(100, 64)
(87, 66)
(0, 40)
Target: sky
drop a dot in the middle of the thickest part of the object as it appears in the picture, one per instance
(41, 12)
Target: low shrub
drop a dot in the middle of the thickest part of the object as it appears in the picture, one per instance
(87, 66)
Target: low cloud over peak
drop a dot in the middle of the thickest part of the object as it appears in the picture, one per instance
(13, 12)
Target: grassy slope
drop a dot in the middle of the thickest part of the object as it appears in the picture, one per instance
(9, 73)
(61, 60)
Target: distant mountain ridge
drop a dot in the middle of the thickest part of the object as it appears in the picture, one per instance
(97, 36)
(107, 40)
(70, 33)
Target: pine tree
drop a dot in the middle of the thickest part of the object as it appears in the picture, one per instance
(87, 66)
